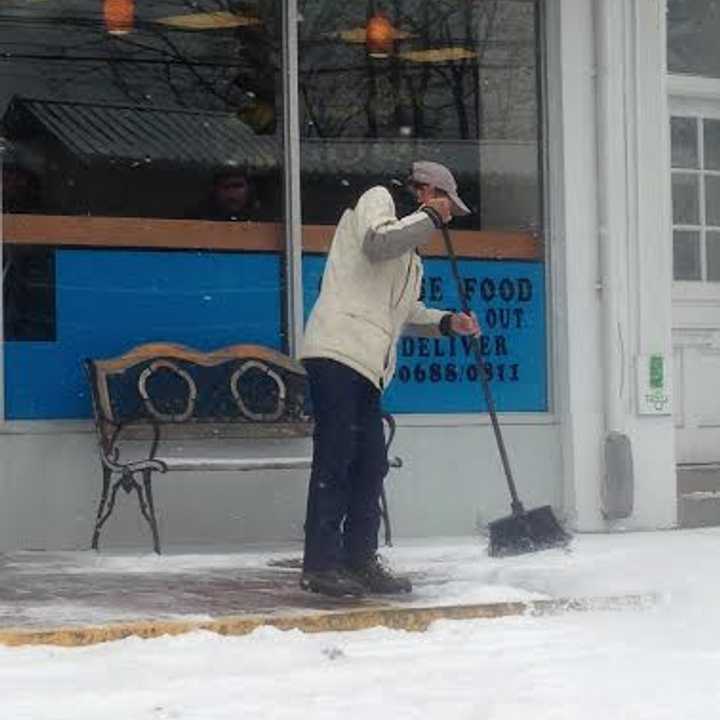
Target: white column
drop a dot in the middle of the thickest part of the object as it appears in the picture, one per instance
(650, 261)
(612, 257)
(574, 255)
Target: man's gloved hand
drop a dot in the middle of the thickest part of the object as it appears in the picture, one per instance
(442, 206)
(462, 324)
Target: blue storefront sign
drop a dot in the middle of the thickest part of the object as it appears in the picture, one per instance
(108, 301)
(440, 375)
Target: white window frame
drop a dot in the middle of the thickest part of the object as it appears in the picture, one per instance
(699, 97)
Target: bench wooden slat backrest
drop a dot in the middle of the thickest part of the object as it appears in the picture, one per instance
(241, 390)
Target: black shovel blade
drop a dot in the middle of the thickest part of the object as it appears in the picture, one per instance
(526, 532)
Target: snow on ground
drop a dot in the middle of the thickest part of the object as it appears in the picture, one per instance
(654, 662)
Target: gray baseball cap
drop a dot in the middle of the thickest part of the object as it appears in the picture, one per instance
(437, 175)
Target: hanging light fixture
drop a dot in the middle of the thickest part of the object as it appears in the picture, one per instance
(119, 16)
(217, 20)
(379, 36)
(438, 55)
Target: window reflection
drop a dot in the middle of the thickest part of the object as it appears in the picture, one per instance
(137, 123)
(142, 185)
(684, 142)
(686, 255)
(692, 32)
(145, 139)
(452, 82)
(383, 84)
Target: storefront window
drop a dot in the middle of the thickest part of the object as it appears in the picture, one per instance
(385, 84)
(143, 179)
(142, 185)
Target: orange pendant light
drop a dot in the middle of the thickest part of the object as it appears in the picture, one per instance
(379, 36)
(119, 16)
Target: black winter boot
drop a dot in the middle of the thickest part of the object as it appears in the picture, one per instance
(336, 583)
(377, 578)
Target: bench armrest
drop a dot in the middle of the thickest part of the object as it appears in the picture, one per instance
(112, 462)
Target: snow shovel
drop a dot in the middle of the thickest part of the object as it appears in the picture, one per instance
(523, 531)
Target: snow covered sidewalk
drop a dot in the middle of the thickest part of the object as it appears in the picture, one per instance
(656, 662)
(76, 589)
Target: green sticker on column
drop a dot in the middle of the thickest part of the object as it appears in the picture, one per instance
(657, 372)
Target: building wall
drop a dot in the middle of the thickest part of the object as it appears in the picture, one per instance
(451, 484)
(609, 290)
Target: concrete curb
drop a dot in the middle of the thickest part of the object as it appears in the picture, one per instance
(413, 619)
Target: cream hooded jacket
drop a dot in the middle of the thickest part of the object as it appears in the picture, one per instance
(370, 289)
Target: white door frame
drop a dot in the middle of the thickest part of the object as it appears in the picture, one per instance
(696, 313)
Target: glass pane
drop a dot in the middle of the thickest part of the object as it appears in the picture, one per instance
(686, 255)
(711, 131)
(684, 142)
(455, 83)
(712, 200)
(155, 114)
(686, 199)
(712, 243)
(134, 144)
(693, 28)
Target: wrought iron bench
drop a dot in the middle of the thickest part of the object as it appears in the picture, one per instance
(163, 407)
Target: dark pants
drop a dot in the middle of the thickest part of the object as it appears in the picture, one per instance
(349, 465)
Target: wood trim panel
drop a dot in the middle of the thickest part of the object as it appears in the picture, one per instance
(154, 233)
(120, 232)
(491, 244)
(151, 351)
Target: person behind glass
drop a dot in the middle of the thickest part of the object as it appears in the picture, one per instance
(232, 197)
(369, 297)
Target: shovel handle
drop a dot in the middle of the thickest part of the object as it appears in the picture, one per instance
(516, 505)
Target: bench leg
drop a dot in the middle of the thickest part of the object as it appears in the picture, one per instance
(103, 516)
(101, 508)
(148, 509)
(108, 497)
